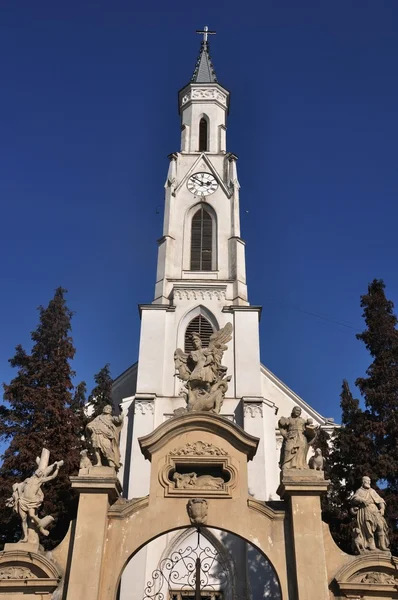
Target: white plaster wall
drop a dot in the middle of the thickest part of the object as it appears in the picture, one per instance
(247, 353)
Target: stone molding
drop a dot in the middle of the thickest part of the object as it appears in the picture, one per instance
(198, 448)
(253, 410)
(23, 571)
(302, 481)
(199, 460)
(99, 480)
(204, 93)
(198, 421)
(372, 574)
(144, 407)
(200, 293)
(261, 507)
(124, 508)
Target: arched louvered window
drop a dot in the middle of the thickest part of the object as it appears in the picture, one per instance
(203, 135)
(202, 327)
(201, 241)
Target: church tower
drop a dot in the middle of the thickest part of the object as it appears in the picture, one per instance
(200, 284)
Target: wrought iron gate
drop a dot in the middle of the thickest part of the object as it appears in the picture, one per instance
(189, 569)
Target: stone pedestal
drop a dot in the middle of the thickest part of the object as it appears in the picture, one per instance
(302, 489)
(96, 490)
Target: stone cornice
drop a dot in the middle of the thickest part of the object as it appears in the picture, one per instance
(203, 92)
(166, 307)
(123, 508)
(198, 421)
(200, 292)
(262, 508)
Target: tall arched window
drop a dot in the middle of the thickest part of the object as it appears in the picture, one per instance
(203, 135)
(202, 327)
(201, 241)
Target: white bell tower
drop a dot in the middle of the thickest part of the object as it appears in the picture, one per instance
(200, 286)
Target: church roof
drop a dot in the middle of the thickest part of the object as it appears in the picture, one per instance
(204, 70)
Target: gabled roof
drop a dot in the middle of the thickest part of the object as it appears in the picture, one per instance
(204, 70)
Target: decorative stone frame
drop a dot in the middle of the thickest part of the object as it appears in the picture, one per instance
(358, 579)
(34, 573)
(172, 462)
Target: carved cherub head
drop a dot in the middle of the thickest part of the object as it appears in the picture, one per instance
(107, 410)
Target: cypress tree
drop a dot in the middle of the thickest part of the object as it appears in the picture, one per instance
(101, 394)
(38, 413)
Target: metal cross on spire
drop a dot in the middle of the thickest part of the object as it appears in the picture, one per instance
(205, 32)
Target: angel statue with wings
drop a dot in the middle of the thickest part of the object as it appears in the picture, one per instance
(201, 370)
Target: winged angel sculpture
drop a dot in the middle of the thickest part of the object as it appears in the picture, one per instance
(205, 378)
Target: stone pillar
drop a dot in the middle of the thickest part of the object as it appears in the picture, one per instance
(96, 490)
(302, 489)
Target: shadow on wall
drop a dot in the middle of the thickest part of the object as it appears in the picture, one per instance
(259, 581)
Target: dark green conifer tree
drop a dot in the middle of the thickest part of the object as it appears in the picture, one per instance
(380, 391)
(366, 444)
(101, 394)
(38, 412)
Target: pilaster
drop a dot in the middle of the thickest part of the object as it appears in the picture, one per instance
(144, 409)
(96, 490)
(303, 489)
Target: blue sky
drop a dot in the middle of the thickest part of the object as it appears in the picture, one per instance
(88, 115)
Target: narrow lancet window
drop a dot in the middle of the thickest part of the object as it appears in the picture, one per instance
(202, 327)
(201, 241)
(203, 135)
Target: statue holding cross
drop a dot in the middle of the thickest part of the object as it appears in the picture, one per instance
(27, 497)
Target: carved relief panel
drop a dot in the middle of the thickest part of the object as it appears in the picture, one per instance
(198, 469)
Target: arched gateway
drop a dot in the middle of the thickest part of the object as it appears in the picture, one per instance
(198, 484)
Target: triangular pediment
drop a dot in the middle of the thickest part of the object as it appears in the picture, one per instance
(203, 163)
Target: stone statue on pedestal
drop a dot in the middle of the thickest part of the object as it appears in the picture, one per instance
(371, 531)
(298, 434)
(201, 370)
(104, 433)
(27, 498)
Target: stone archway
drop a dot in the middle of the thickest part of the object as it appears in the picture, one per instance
(194, 441)
(220, 554)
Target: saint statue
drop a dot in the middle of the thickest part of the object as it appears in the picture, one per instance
(371, 531)
(202, 372)
(298, 434)
(27, 497)
(104, 433)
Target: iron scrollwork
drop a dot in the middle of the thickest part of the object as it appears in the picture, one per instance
(189, 569)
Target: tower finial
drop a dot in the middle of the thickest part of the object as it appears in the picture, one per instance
(204, 70)
(205, 32)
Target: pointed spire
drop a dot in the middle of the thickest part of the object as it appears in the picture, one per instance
(204, 71)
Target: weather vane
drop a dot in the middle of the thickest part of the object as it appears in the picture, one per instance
(205, 32)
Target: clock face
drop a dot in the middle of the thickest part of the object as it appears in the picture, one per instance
(202, 184)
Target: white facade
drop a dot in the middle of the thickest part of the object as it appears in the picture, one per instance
(149, 391)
